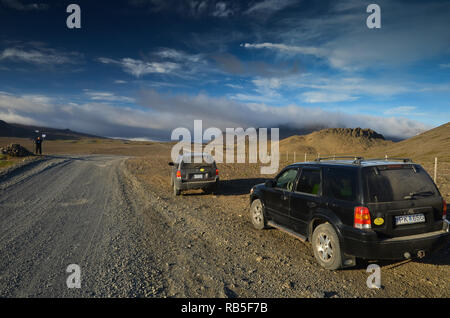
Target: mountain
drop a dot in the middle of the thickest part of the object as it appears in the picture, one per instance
(28, 131)
(334, 141)
(425, 146)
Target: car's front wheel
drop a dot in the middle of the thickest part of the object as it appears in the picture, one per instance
(326, 247)
(257, 215)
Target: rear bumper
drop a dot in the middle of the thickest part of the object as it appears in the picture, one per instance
(191, 185)
(367, 245)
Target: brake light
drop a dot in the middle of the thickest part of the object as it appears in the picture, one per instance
(362, 218)
(217, 172)
(178, 174)
(444, 209)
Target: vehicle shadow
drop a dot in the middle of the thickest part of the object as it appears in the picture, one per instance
(230, 187)
(439, 257)
(238, 186)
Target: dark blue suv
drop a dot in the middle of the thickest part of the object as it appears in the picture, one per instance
(352, 208)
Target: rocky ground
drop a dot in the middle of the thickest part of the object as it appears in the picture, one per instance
(212, 250)
(153, 244)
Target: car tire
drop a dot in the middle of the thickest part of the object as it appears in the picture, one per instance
(175, 190)
(326, 247)
(257, 215)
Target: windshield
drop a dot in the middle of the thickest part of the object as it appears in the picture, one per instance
(397, 183)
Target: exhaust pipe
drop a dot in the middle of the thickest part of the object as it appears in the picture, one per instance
(421, 254)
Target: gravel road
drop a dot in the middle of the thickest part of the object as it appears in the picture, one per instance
(72, 210)
(118, 221)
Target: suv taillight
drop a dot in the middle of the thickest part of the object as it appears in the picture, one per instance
(362, 218)
(444, 209)
(217, 172)
(178, 174)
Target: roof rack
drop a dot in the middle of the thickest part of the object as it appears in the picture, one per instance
(405, 160)
(339, 157)
(357, 160)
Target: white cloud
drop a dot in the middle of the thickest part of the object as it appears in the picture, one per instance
(222, 113)
(107, 96)
(39, 56)
(269, 6)
(235, 86)
(339, 36)
(287, 49)
(221, 10)
(323, 97)
(18, 5)
(404, 111)
(139, 68)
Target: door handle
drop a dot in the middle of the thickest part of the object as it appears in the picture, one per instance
(311, 204)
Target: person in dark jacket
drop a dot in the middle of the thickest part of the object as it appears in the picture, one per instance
(38, 143)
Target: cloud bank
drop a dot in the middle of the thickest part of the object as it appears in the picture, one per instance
(157, 114)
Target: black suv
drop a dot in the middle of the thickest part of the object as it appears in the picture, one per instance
(355, 208)
(188, 174)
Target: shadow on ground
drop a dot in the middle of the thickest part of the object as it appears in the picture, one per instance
(238, 186)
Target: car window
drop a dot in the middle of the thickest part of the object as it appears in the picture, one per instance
(309, 182)
(192, 165)
(287, 179)
(397, 183)
(341, 184)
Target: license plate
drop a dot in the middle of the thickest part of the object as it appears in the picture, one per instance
(198, 176)
(409, 219)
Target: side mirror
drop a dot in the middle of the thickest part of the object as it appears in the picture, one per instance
(270, 183)
(171, 164)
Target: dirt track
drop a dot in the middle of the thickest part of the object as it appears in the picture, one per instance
(118, 220)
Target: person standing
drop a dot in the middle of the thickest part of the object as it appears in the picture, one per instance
(38, 143)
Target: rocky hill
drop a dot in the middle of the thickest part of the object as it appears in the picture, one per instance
(333, 141)
(426, 146)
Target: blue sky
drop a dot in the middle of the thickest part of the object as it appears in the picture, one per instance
(139, 68)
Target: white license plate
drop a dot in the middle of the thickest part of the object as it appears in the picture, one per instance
(409, 219)
(198, 176)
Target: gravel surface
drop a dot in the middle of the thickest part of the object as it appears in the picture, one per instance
(73, 210)
(119, 221)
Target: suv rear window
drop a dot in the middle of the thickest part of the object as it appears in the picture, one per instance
(397, 183)
(186, 165)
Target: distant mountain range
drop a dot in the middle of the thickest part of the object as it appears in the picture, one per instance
(29, 131)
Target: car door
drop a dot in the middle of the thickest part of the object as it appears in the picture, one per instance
(305, 198)
(278, 197)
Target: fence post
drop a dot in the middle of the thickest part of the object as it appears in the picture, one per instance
(435, 169)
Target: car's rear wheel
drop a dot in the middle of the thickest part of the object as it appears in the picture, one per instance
(326, 247)
(257, 215)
